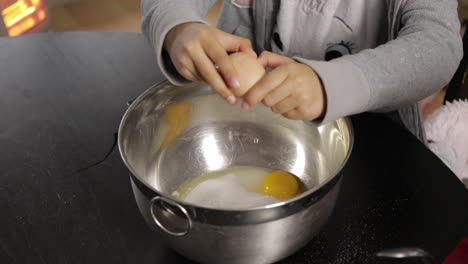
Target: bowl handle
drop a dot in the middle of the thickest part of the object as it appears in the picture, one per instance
(164, 201)
(403, 253)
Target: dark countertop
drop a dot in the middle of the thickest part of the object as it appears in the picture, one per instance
(61, 100)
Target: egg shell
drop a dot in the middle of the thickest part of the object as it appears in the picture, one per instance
(249, 70)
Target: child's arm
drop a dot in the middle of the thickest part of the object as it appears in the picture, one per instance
(421, 60)
(160, 16)
(187, 48)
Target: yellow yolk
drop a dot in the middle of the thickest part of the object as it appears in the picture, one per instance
(177, 116)
(280, 184)
(178, 113)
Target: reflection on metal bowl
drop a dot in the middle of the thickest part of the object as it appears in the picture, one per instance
(170, 134)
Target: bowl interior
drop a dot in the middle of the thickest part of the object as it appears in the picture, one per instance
(171, 134)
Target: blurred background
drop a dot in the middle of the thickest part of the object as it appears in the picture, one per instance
(32, 16)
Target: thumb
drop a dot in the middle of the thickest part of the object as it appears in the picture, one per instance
(233, 43)
(272, 60)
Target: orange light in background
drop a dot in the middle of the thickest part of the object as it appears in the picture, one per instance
(20, 16)
(22, 27)
(41, 15)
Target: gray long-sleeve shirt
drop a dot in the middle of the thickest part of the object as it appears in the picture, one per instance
(416, 54)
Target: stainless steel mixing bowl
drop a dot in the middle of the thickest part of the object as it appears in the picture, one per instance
(163, 148)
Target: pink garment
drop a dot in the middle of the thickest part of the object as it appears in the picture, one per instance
(426, 102)
(447, 134)
(459, 255)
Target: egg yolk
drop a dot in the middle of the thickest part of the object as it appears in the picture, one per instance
(177, 116)
(280, 184)
(178, 113)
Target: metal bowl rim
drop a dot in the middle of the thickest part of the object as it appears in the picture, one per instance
(302, 196)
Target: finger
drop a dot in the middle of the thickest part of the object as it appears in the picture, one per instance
(285, 105)
(185, 67)
(279, 94)
(225, 67)
(310, 112)
(209, 74)
(267, 84)
(293, 114)
(189, 72)
(235, 43)
(271, 60)
(198, 76)
(193, 70)
(302, 113)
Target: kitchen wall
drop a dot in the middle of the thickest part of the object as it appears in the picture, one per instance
(463, 9)
(97, 15)
(3, 31)
(103, 15)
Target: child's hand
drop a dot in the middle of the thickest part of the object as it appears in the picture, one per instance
(195, 48)
(292, 89)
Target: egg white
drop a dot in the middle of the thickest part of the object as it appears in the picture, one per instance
(234, 188)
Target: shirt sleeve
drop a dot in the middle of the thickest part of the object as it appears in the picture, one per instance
(159, 17)
(420, 61)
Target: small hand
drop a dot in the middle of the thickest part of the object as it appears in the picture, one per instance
(292, 89)
(196, 48)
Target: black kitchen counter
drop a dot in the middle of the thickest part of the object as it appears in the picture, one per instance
(62, 201)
